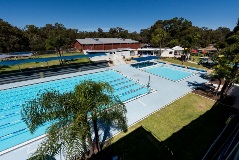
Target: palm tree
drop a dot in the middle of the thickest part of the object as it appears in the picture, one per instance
(71, 115)
(100, 100)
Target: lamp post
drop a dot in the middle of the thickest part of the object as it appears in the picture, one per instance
(19, 68)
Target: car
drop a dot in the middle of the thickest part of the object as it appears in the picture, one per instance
(206, 61)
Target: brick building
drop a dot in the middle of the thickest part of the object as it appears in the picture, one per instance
(105, 43)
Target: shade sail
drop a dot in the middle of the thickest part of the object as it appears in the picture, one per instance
(178, 48)
(17, 62)
(3, 56)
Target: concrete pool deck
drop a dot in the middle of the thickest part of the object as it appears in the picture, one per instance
(166, 92)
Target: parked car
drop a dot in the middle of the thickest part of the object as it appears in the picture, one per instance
(206, 61)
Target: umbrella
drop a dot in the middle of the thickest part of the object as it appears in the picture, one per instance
(194, 51)
(204, 51)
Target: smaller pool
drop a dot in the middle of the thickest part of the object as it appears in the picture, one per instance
(140, 59)
(169, 73)
(143, 64)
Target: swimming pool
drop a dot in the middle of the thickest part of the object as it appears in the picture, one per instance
(143, 64)
(140, 59)
(13, 130)
(169, 72)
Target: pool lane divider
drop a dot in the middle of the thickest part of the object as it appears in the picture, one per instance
(21, 144)
(151, 90)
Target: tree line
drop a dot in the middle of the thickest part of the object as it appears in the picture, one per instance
(164, 33)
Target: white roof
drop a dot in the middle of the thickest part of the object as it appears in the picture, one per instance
(129, 41)
(109, 40)
(105, 40)
(178, 48)
(169, 49)
(88, 41)
(150, 49)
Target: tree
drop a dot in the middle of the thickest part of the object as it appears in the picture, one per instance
(221, 71)
(70, 37)
(228, 60)
(173, 42)
(36, 40)
(113, 32)
(219, 35)
(55, 37)
(71, 115)
(158, 36)
(145, 35)
(174, 29)
(99, 107)
(101, 33)
(12, 39)
(134, 35)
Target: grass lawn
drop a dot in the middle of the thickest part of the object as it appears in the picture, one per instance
(183, 130)
(176, 61)
(196, 58)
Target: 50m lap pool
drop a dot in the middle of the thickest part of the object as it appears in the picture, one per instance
(13, 130)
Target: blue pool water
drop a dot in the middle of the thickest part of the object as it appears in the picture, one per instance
(140, 59)
(169, 72)
(14, 131)
(197, 69)
(143, 64)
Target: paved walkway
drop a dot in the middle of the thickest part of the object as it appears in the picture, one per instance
(166, 92)
(192, 62)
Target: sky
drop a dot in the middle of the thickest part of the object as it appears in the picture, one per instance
(132, 15)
